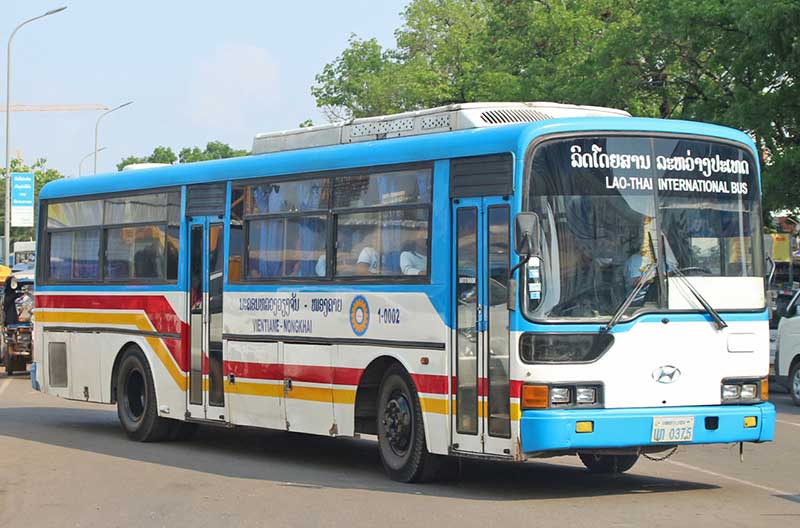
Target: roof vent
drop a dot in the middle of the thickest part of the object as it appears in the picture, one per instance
(523, 115)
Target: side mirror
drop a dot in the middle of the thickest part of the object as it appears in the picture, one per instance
(527, 233)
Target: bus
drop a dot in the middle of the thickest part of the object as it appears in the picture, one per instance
(501, 281)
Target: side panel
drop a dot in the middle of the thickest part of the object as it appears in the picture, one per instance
(308, 389)
(108, 321)
(84, 382)
(256, 395)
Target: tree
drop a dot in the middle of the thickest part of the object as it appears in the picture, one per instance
(41, 175)
(159, 155)
(735, 63)
(213, 150)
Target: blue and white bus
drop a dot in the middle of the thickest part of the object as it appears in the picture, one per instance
(502, 281)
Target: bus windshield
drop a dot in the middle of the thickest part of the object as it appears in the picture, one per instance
(611, 207)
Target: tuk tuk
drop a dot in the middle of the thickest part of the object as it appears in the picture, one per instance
(16, 325)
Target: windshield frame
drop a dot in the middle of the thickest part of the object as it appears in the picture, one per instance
(626, 318)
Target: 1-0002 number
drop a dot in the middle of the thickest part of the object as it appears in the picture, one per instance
(389, 315)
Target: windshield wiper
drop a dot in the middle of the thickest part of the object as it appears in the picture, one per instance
(702, 300)
(644, 278)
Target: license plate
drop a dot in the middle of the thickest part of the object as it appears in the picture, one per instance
(669, 429)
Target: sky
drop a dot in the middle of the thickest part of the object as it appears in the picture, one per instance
(196, 71)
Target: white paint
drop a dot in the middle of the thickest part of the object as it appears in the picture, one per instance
(697, 349)
(788, 423)
(4, 386)
(774, 491)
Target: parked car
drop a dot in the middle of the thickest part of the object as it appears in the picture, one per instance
(16, 325)
(787, 355)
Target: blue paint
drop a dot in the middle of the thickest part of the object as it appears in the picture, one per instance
(548, 430)
(440, 148)
(474, 142)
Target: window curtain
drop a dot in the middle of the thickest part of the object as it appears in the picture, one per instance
(61, 256)
(309, 245)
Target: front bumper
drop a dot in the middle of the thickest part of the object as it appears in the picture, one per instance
(554, 430)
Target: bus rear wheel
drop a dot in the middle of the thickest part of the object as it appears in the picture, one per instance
(608, 464)
(136, 400)
(401, 432)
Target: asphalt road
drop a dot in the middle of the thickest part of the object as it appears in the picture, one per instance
(69, 464)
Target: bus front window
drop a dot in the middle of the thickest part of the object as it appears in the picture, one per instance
(613, 207)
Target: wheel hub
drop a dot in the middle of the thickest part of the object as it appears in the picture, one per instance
(397, 423)
(796, 383)
(135, 395)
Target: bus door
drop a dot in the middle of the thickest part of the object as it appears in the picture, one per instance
(206, 396)
(482, 414)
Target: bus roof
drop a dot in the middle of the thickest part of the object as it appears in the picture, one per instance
(472, 142)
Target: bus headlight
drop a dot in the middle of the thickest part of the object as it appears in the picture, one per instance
(749, 391)
(560, 395)
(730, 392)
(744, 390)
(585, 395)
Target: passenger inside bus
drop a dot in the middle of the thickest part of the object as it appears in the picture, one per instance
(413, 259)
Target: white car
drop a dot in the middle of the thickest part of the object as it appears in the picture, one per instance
(787, 357)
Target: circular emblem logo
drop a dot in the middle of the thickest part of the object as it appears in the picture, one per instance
(666, 374)
(359, 315)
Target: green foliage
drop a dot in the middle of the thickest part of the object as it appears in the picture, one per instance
(41, 176)
(306, 124)
(733, 63)
(159, 155)
(213, 150)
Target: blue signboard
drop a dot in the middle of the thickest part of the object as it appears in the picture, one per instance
(22, 185)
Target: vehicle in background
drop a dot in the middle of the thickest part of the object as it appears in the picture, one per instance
(787, 355)
(16, 325)
(24, 256)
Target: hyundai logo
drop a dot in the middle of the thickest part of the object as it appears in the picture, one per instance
(666, 374)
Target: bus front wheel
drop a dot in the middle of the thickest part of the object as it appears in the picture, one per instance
(136, 400)
(608, 464)
(401, 433)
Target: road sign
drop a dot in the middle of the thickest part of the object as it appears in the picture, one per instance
(22, 199)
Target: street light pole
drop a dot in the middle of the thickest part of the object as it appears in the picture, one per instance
(80, 164)
(97, 129)
(7, 215)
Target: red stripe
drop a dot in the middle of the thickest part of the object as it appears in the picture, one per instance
(431, 383)
(156, 307)
(301, 373)
(264, 371)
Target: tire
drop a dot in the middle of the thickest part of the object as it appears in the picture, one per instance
(401, 432)
(608, 464)
(794, 383)
(182, 431)
(137, 407)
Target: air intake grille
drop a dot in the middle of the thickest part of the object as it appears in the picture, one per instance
(57, 364)
(512, 115)
(206, 200)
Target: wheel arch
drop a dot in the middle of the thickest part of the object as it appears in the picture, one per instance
(130, 345)
(366, 412)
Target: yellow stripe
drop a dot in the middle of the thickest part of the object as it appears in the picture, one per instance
(274, 390)
(129, 319)
(246, 388)
(433, 405)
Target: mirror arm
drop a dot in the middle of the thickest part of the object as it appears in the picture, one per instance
(522, 260)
